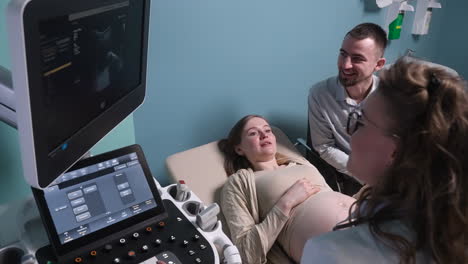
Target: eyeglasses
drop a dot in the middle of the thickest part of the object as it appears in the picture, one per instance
(355, 121)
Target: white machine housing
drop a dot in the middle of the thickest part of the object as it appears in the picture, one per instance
(226, 251)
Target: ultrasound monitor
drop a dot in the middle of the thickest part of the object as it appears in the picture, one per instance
(79, 69)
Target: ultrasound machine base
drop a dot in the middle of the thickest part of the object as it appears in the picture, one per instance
(174, 240)
(155, 225)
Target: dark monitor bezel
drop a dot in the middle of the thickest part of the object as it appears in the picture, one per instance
(156, 213)
(49, 167)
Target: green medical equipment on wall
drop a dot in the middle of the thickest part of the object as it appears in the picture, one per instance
(394, 17)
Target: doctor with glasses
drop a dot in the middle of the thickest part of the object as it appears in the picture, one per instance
(409, 145)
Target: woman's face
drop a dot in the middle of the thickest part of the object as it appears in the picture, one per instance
(372, 145)
(258, 143)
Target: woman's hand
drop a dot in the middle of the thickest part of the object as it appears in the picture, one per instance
(296, 194)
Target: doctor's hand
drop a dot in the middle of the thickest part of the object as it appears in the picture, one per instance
(296, 194)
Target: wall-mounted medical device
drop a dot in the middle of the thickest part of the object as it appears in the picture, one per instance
(78, 69)
(394, 18)
(423, 16)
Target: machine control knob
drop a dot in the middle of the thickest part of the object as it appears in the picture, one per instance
(78, 260)
(172, 238)
(93, 253)
(136, 235)
(144, 248)
(158, 242)
(185, 243)
(122, 241)
(108, 248)
(196, 237)
(148, 229)
(116, 260)
(131, 254)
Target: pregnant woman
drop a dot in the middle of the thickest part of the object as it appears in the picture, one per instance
(273, 203)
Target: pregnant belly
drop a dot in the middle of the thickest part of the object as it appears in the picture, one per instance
(316, 215)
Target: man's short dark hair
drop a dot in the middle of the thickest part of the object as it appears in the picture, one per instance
(370, 30)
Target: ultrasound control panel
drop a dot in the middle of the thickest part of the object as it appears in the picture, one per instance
(109, 209)
(174, 240)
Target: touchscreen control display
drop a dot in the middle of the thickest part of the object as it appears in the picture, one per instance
(91, 198)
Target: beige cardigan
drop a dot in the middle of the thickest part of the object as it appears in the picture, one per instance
(255, 240)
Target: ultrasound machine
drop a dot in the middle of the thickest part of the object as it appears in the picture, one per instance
(78, 69)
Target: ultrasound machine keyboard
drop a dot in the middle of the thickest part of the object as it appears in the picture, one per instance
(138, 221)
(174, 240)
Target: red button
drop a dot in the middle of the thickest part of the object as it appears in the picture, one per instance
(131, 254)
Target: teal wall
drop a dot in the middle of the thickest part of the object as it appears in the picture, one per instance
(453, 41)
(12, 184)
(211, 62)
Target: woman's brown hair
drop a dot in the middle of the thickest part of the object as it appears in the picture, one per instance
(426, 185)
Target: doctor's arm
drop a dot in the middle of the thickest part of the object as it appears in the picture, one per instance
(352, 245)
(316, 251)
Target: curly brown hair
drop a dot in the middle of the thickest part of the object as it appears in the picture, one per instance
(426, 185)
